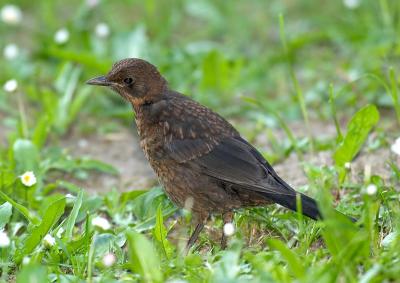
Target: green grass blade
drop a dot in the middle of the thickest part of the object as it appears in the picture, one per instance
(22, 209)
(292, 259)
(72, 217)
(50, 217)
(143, 258)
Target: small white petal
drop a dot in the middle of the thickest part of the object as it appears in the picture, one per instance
(109, 259)
(11, 14)
(229, 229)
(351, 4)
(4, 239)
(10, 86)
(28, 179)
(347, 165)
(92, 3)
(102, 30)
(26, 260)
(60, 232)
(101, 223)
(49, 240)
(61, 36)
(396, 147)
(371, 189)
(11, 51)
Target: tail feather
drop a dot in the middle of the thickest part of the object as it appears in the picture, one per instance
(288, 199)
(309, 206)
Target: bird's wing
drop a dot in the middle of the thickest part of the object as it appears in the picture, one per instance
(191, 130)
(235, 161)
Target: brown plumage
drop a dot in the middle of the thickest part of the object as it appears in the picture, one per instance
(200, 159)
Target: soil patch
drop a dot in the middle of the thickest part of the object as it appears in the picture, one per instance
(121, 150)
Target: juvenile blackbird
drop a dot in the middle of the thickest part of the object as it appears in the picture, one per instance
(199, 157)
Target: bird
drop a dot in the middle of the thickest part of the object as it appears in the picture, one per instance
(201, 160)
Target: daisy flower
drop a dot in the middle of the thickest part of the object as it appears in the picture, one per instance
(28, 179)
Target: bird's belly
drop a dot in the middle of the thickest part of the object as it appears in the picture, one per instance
(175, 182)
(192, 190)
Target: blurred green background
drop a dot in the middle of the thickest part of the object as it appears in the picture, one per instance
(218, 52)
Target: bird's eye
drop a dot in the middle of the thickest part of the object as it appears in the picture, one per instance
(128, 81)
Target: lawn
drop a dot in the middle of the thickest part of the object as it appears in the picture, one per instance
(314, 85)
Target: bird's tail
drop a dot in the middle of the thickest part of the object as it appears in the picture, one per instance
(309, 206)
(287, 197)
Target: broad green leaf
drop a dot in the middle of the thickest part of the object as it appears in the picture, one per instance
(104, 243)
(218, 72)
(227, 268)
(91, 164)
(73, 216)
(5, 214)
(131, 195)
(150, 222)
(357, 132)
(22, 209)
(77, 103)
(292, 259)
(145, 206)
(89, 205)
(69, 186)
(32, 274)
(66, 84)
(50, 217)
(160, 233)
(41, 131)
(26, 156)
(143, 258)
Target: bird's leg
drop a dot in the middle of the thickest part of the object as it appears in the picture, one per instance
(227, 217)
(195, 235)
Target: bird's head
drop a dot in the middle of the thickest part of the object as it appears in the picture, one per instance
(134, 79)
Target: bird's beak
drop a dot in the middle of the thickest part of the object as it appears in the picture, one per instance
(102, 80)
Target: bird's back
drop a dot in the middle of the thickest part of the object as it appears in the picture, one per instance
(184, 127)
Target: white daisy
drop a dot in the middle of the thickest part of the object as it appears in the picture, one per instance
(102, 30)
(371, 189)
(61, 36)
(26, 260)
(4, 239)
(49, 241)
(101, 223)
(109, 259)
(351, 4)
(28, 179)
(11, 14)
(396, 146)
(229, 229)
(10, 85)
(10, 51)
(92, 3)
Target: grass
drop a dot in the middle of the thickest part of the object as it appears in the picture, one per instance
(327, 63)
